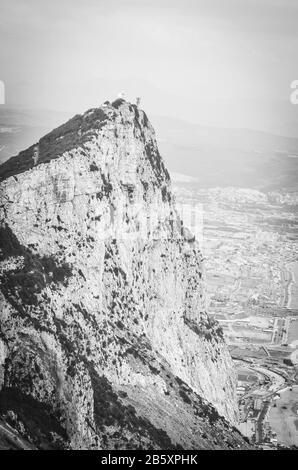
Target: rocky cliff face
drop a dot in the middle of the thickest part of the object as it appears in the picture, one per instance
(104, 340)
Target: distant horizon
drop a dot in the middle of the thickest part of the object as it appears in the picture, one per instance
(214, 156)
(68, 114)
(222, 63)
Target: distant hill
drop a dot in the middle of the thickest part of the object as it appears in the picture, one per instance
(228, 157)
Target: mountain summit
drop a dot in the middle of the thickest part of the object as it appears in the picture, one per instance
(104, 340)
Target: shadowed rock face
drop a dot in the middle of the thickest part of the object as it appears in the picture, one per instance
(104, 341)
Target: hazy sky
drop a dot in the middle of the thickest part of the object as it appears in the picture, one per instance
(220, 62)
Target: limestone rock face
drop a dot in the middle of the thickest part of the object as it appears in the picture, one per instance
(104, 339)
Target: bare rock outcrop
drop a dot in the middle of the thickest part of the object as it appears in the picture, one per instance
(104, 340)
